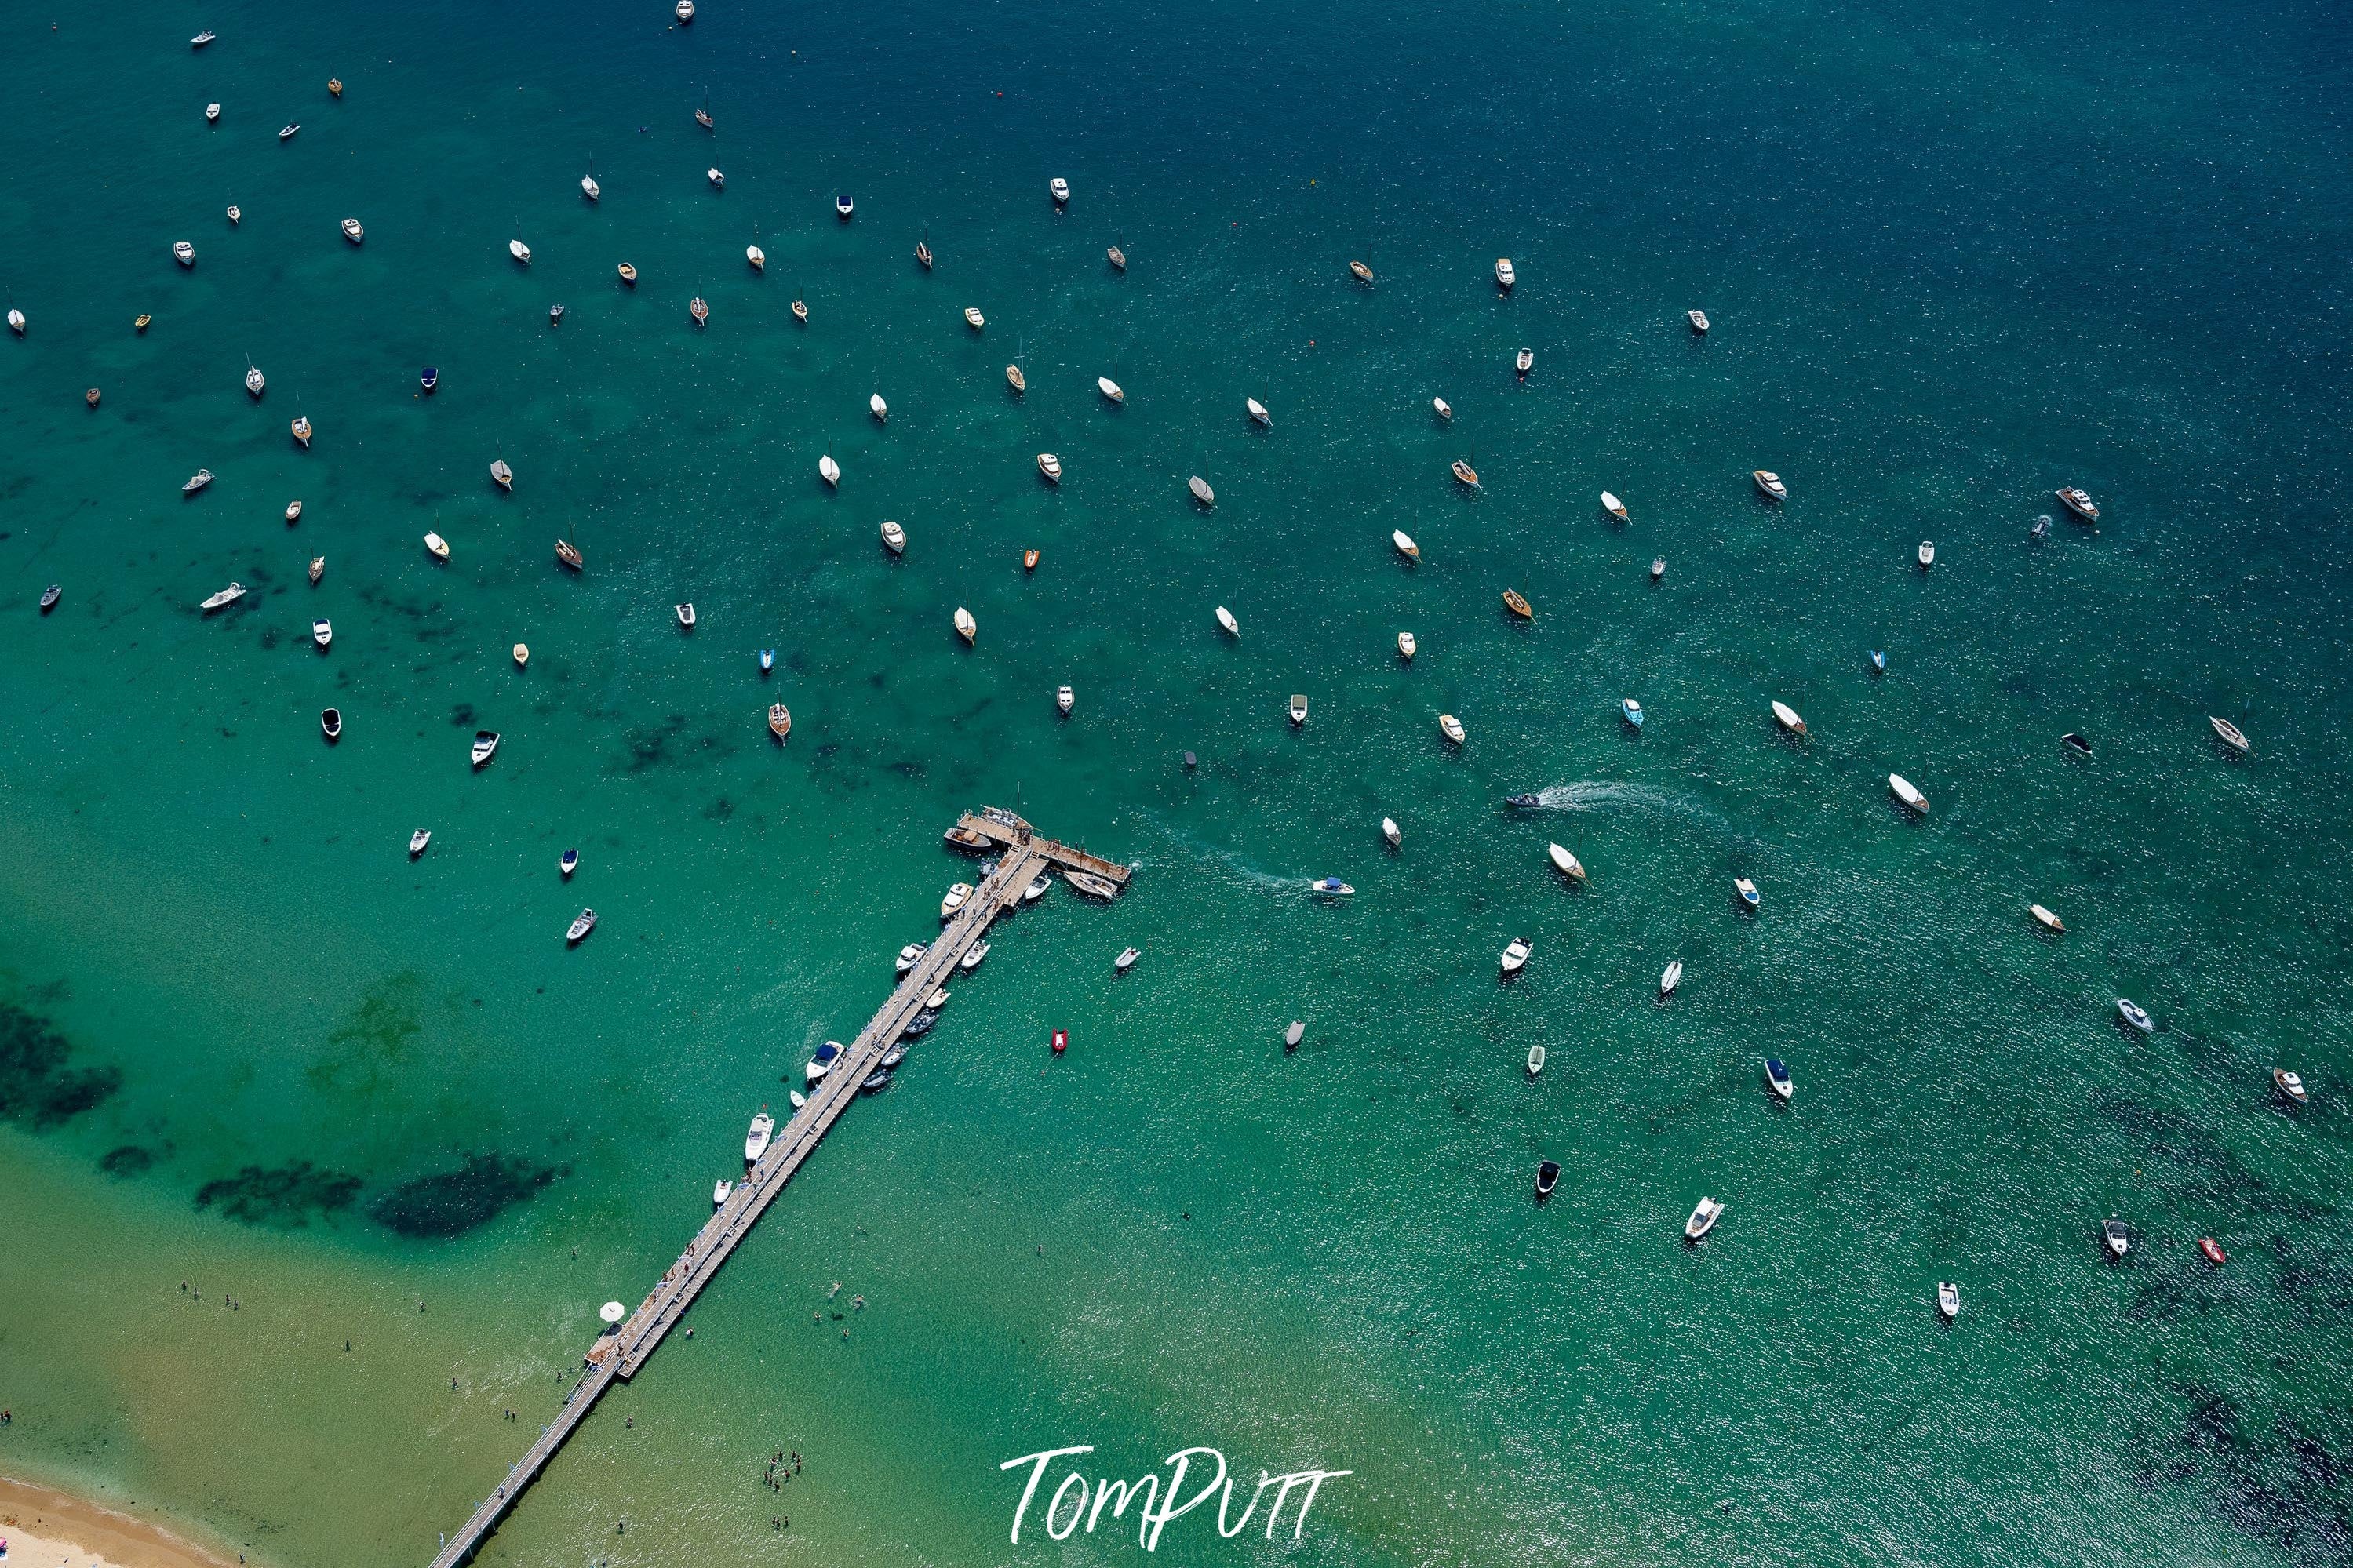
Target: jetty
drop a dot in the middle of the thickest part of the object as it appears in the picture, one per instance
(621, 1351)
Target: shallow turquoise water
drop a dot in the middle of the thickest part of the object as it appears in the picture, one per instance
(1953, 260)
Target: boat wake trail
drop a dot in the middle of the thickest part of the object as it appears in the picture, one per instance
(1231, 866)
(1601, 795)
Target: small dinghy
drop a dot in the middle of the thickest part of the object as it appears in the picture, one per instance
(1526, 360)
(821, 1061)
(1226, 619)
(2291, 1085)
(1293, 1034)
(1201, 490)
(417, 840)
(719, 1191)
(1747, 892)
(1330, 888)
(1631, 711)
(1125, 961)
(1257, 411)
(321, 633)
(486, 745)
(1063, 698)
(556, 314)
(628, 273)
(1110, 389)
(965, 626)
(2212, 1251)
(1776, 1076)
(286, 132)
(800, 312)
(437, 546)
(1117, 257)
(236, 213)
(1360, 272)
(880, 409)
(1299, 708)
(718, 181)
(2232, 736)
(683, 11)
(2076, 743)
(582, 924)
(685, 614)
(973, 955)
(318, 567)
(567, 554)
(225, 597)
(893, 1056)
(755, 1139)
(1787, 717)
(1901, 788)
(936, 1000)
(331, 723)
(293, 512)
(1948, 1299)
(974, 319)
(911, 955)
(1451, 727)
(797, 1098)
(301, 428)
(1535, 1061)
(1517, 605)
(196, 482)
(1504, 274)
(1703, 1219)
(780, 721)
(1445, 410)
(1658, 567)
(568, 862)
(1052, 467)
(1059, 189)
(1015, 379)
(1407, 647)
(1095, 887)
(1465, 473)
(1547, 1171)
(2119, 1238)
(1878, 662)
(352, 231)
(894, 538)
(2079, 502)
(1698, 320)
(2136, 1015)
(184, 253)
(1770, 484)
(1565, 863)
(829, 471)
(1405, 544)
(49, 596)
(1668, 978)
(500, 475)
(1515, 955)
(1390, 831)
(958, 895)
(2046, 920)
(1614, 507)
(1927, 553)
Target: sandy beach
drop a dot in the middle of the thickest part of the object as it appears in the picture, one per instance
(45, 1528)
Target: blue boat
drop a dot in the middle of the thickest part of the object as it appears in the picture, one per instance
(1777, 1076)
(1632, 710)
(767, 659)
(1334, 886)
(843, 206)
(821, 1063)
(430, 379)
(1878, 661)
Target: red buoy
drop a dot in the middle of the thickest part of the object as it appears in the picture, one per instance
(1061, 1041)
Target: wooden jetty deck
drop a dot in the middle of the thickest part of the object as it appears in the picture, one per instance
(619, 1354)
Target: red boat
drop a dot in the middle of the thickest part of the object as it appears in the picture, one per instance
(2206, 1244)
(1061, 1041)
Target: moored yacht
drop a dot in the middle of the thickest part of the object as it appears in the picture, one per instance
(1568, 864)
(1770, 484)
(582, 924)
(486, 746)
(1505, 275)
(1451, 727)
(1258, 412)
(1407, 647)
(1515, 955)
(1405, 544)
(894, 538)
(1703, 1219)
(1787, 717)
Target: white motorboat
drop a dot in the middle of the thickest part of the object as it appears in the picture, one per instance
(2232, 736)
(1293, 1034)
(685, 614)
(911, 955)
(201, 39)
(973, 955)
(352, 231)
(1536, 1059)
(821, 1061)
(966, 628)
(797, 1098)
(1201, 490)
(1698, 320)
(486, 746)
(437, 546)
(1525, 361)
(1298, 708)
(1948, 1299)
(1770, 484)
(588, 186)
(1451, 727)
(1776, 1078)
(1927, 553)
(2136, 1015)
(212, 114)
(254, 381)
(974, 319)
(582, 924)
(184, 253)
(1360, 272)
(1568, 864)
(1405, 544)
(2078, 502)
(1515, 955)
(1900, 788)
(331, 723)
(15, 320)
(2119, 1238)
(1504, 274)
(1445, 409)
(718, 181)
(1060, 188)
(2046, 920)
(1258, 411)
(876, 407)
(1658, 567)
(1614, 507)
(719, 1191)
(1408, 646)
(2291, 1085)
(520, 251)
(1703, 1219)
(418, 840)
(1052, 467)
(1037, 889)
(1330, 888)
(293, 512)
(286, 132)
(756, 1140)
(500, 475)
(1747, 893)
(829, 471)
(1117, 257)
(1125, 961)
(1671, 977)
(1110, 389)
(958, 895)
(1064, 698)
(522, 652)
(756, 258)
(568, 863)
(236, 213)
(1787, 717)
(936, 1000)
(225, 597)
(894, 538)
(321, 633)
(1390, 831)
(1226, 619)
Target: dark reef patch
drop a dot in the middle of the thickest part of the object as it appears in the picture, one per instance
(283, 1198)
(651, 748)
(129, 1160)
(37, 1089)
(435, 1208)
